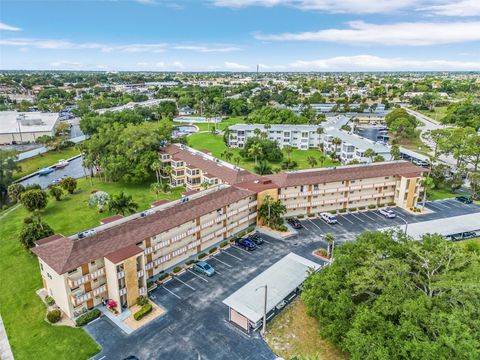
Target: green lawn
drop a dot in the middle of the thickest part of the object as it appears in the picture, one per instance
(439, 194)
(438, 112)
(221, 126)
(415, 144)
(49, 158)
(294, 333)
(21, 309)
(215, 144)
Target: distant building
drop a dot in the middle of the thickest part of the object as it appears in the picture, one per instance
(186, 111)
(21, 128)
(302, 137)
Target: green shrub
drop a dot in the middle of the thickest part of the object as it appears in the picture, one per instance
(49, 300)
(333, 212)
(361, 208)
(190, 262)
(142, 300)
(145, 310)
(150, 284)
(381, 205)
(341, 211)
(322, 252)
(311, 215)
(352, 209)
(223, 244)
(371, 207)
(212, 250)
(392, 203)
(87, 317)
(300, 216)
(176, 269)
(250, 229)
(54, 316)
(163, 277)
(282, 228)
(202, 255)
(242, 234)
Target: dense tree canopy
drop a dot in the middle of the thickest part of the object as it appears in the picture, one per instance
(401, 123)
(269, 115)
(268, 149)
(7, 167)
(388, 297)
(466, 114)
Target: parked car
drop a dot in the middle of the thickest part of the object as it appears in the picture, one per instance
(387, 213)
(328, 218)
(422, 163)
(464, 199)
(203, 268)
(256, 238)
(469, 235)
(295, 223)
(246, 244)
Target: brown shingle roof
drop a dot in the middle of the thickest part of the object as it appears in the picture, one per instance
(66, 254)
(353, 172)
(124, 253)
(210, 168)
(48, 239)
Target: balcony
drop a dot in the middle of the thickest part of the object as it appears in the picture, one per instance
(74, 283)
(140, 273)
(78, 298)
(120, 275)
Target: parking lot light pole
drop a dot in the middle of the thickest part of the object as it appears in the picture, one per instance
(264, 327)
(406, 223)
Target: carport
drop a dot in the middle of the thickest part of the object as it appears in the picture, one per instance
(283, 281)
(446, 226)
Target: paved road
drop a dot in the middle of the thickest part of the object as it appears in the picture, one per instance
(195, 324)
(74, 169)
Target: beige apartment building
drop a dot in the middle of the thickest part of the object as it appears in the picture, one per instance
(114, 260)
(192, 168)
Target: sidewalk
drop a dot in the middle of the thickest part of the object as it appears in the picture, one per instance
(5, 349)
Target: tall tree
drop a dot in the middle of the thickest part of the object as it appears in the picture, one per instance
(34, 199)
(122, 204)
(7, 167)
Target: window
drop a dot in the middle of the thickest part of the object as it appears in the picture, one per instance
(41, 266)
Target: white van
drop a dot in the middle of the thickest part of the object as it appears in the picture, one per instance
(329, 218)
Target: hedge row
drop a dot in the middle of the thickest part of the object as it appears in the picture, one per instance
(87, 317)
(145, 310)
(54, 316)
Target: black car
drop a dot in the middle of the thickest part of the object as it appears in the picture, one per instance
(256, 238)
(469, 235)
(464, 199)
(131, 357)
(295, 223)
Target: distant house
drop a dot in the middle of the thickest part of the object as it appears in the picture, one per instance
(186, 111)
(21, 128)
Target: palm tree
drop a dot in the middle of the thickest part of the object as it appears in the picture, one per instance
(336, 142)
(311, 161)
(227, 154)
(167, 171)
(320, 130)
(271, 212)
(257, 132)
(321, 158)
(370, 153)
(156, 188)
(263, 168)
(237, 160)
(255, 151)
(395, 152)
(330, 240)
(156, 166)
(288, 150)
(205, 185)
(121, 204)
(427, 184)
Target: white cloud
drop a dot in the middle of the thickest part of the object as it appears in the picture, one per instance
(6, 27)
(410, 34)
(146, 2)
(376, 63)
(55, 44)
(455, 8)
(333, 6)
(66, 65)
(235, 66)
(206, 49)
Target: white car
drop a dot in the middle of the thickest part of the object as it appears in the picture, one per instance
(387, 213)
(328, 218)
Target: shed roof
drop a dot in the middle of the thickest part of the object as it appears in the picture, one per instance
(281, 279)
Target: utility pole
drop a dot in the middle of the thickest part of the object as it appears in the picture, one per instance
(264, 327)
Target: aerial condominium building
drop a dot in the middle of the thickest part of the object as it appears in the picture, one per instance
(114, 260)
(195, 169)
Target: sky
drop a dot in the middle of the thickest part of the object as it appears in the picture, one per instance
(236, 35)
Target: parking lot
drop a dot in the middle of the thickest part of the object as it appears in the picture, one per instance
(195, 324)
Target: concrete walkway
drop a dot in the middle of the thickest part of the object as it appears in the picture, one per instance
(5, 349)
(118, 319)
(10, 210)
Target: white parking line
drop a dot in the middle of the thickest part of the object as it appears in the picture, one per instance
(198, 276)
(103, 357)
(220, 261)
(171, 292)
(364, 214)
(440, 205)
(184, 283)
(239, 248)
(345, 218)
(268, 242)
(227, 253)
(324, 223)
(379, 215)
(318, 227)
(356, 217)
(306, 228)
